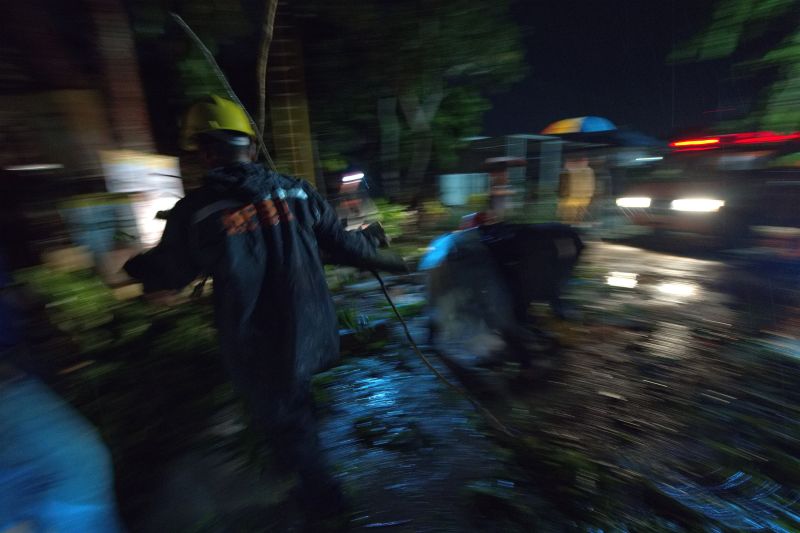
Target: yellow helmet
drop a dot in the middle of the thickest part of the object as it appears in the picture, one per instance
(213, 114)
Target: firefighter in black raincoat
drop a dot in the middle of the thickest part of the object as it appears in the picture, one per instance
(259, 235)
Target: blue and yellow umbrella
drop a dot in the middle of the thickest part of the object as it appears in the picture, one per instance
(579, 125)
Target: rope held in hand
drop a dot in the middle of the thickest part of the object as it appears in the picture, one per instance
(484, 412)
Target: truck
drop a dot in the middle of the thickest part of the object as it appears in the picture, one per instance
(730, 187)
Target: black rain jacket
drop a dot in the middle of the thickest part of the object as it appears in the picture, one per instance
(258, 234)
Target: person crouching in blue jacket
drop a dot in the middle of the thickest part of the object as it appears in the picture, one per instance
(56, 473)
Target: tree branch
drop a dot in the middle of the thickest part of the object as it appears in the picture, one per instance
(263, 56)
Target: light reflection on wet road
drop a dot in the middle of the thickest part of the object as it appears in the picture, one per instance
(668, 374)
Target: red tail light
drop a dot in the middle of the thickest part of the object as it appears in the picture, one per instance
(755, 137)
(694, 142)
(764, 137)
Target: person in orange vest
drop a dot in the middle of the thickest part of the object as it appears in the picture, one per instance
(576, 189)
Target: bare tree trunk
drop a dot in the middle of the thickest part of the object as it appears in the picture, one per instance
(390, 146)
(421, 158)
(420, 115)
(263, 55)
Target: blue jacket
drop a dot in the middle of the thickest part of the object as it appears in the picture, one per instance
(259, 235)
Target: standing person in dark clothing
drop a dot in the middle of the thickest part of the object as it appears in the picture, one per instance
(258, 234)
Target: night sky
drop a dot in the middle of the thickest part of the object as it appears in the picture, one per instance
(608, 58)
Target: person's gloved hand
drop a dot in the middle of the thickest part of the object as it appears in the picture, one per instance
(389, 262)
(135, 266)
(377, 235)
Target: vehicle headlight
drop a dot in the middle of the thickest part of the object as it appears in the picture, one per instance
(633, 201)
(698, 205)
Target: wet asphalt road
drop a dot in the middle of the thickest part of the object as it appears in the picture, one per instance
(675, 372)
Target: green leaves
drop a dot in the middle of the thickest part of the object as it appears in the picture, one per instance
(781, 111)
(459, 117)
(723, 37)
(437, 59)
(734, 22)
(78, 303)
(738, 30)
(392, 217)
